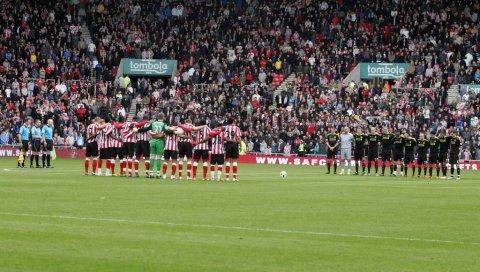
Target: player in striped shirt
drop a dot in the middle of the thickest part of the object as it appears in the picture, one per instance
(171, 151)
(128, 148)
(116, 150)
(217, 139)
(185, 148)
(92, 146)
(233, 136)
(142, 145)
(104, 147)
(201, 150)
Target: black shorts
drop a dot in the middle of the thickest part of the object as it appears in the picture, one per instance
(397, 155)
(372, 154)
(105, 154)
(36, 146)
(387, 154)
(185, 150)
(142, 148)
(25, 145)
(200, 154)
(454, 158)
(116, 151)
(409, 158)
(48, 145)
(231, 151)
(128, 149)
(92, 150)
(358, 154)
(442, 157)
(331, 153)
(433, 158)
(422, 158)
(170, 155)
(217, 159)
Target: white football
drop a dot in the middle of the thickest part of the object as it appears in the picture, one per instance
(283, 174)
(179, 131)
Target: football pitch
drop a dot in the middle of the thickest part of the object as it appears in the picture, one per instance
(60, 220)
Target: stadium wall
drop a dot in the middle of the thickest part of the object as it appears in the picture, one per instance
(252, 159)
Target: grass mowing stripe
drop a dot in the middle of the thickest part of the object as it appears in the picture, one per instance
(118, 220)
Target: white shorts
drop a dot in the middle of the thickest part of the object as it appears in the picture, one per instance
(346, 153)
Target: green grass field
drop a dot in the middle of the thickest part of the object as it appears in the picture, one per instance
(59, 220)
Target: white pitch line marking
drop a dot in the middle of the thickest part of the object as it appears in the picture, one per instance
(252, 229)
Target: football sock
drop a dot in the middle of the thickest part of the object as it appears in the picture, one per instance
(452, 170)
(87, 162)
(219, 171)
(227, 170)
(195, 165)
(335, 167)
(205, 170)
(48, 159)
(189, 169)
(356, 166)
(164, 168)
(444, 170)
(31, 159)
(36, 160)
(44, 157)
(458, 170)
(174, 168)
(369, 166)
(94, 165)
(130, 167)
(430, 171)
(413, 170)
(107, 164)
(328, 167)
(180, 169)
(159, 165)
(235, 169)
(212, 171)
(391, 168)
(383, 168)
(112, 166)
(376, 167)
(147, 167)
(363, 167)
(99, 164)
(438, 171)
(406, 170)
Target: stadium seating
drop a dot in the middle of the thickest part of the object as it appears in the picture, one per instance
(234, 55)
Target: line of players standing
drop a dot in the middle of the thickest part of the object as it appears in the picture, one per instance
(400, 151)
(162, 145)
(38, 139)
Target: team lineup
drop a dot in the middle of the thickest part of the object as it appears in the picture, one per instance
(401, 151)
(161, 145)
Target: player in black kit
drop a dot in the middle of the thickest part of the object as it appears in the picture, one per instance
(373, 140)
(387, 144)
(410, 143)
(442, 155)
(398, 144)
(433, 144)
(455, 143)
(332, 142)
(422, 147)
(359, 152)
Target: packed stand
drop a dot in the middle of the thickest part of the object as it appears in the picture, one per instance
(46, 72)
(230, 54)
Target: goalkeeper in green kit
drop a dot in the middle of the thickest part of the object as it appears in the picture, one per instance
(157, 143)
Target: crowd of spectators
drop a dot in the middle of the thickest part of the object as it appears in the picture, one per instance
(231, 52)
(46, 71)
